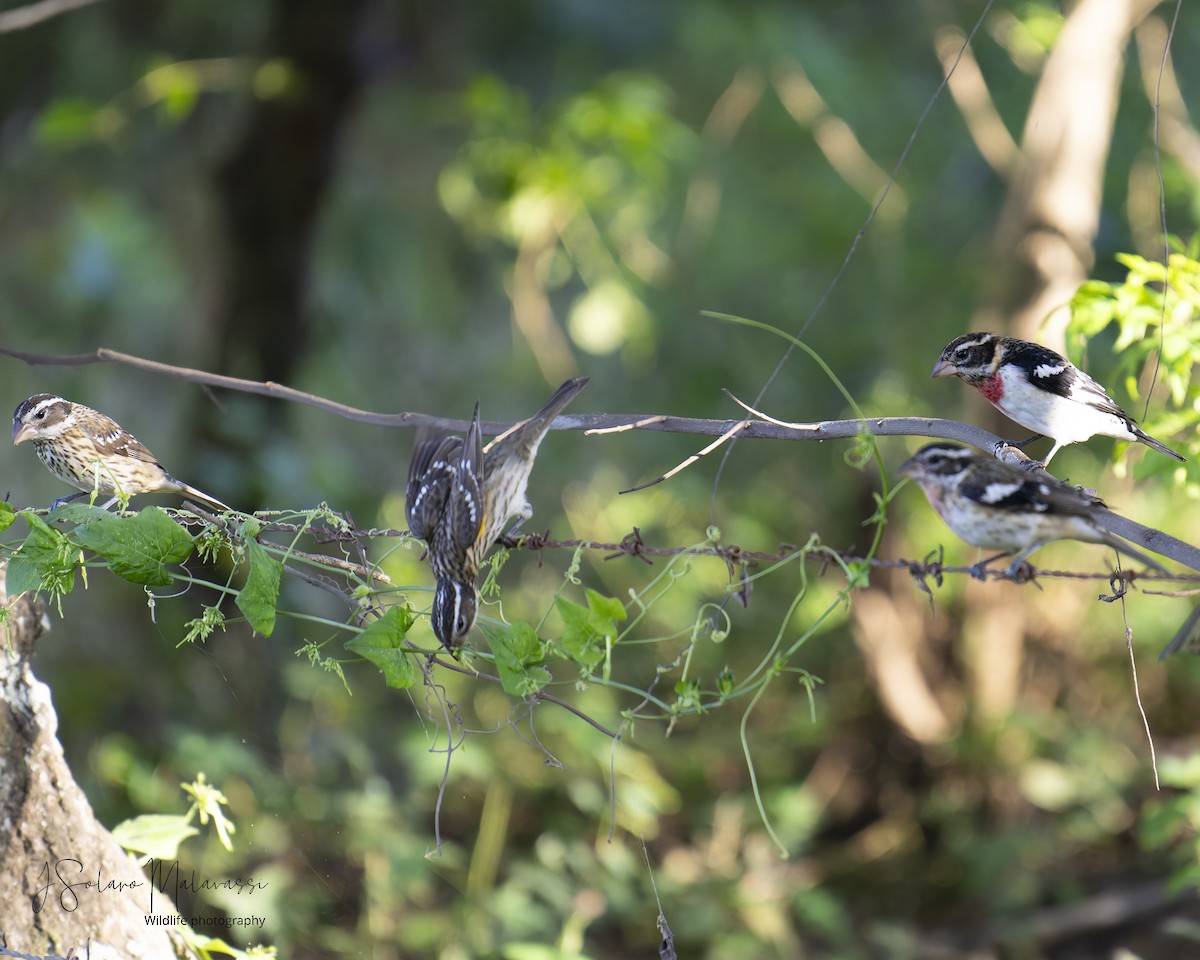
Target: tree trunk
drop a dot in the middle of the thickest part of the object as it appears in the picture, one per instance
(271, 186)
(1049, 223)
(66, 886)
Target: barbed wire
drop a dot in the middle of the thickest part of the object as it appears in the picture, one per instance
(634, 545)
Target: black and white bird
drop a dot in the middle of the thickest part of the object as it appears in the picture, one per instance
(996, 506)
(92, 452)
(1041, 390)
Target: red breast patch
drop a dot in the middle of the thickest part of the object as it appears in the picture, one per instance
(992, 389)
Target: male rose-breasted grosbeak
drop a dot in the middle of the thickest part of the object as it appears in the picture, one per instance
(1041, 390)
(460, 495)
(88, 450)
(997, 506)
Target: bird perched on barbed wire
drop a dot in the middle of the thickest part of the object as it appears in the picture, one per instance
(88, 450)
(996, 506)
(1041, 390)
(460, 495)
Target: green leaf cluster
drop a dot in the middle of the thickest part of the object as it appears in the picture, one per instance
(136, 547)
(589, 631)
(140, 547)
(1156, 310)
(588, 635)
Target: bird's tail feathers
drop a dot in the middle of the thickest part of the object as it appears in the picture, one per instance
(530, 432)
(187, 490)
(1186, 638)
(1122, 546)
(1158, 445)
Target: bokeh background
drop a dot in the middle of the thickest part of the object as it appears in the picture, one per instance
(409, 206)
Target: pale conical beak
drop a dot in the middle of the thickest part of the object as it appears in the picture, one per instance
(21, 432)
(943, 368)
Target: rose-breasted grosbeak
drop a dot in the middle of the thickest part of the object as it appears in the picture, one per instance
(88, 450)
(997, 506)
(1041, 390)
(460, 495)
(444, 508)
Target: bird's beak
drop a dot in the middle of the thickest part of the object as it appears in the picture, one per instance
(21, 432)
(906, 468)
(943, 368)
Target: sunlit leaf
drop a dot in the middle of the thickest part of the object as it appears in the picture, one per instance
(258, 598)
(154, 834)
(580, 640)
(606, 612)
(519, 653)
(45, 560)
(137, 547)
(383, 644)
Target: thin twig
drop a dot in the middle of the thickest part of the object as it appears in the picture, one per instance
(1137, 688)
(456, 667)
(854, 243)
(625, 427)
(321, 583)
(740, 425)
(344, 565)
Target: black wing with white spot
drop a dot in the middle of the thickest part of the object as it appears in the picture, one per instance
(1055, 373)
(1001, 487)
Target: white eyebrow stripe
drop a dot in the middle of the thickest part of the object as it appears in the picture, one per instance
(48, 402)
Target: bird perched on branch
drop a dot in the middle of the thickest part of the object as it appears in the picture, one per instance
(88, 450)
(997, 506)
(1041, 390)
(460, 495)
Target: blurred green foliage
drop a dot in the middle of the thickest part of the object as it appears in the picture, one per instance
(522, 187)
(1156, 312)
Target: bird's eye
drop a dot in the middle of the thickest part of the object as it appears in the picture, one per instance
(961, 354)
(40, 415)
(462, 624)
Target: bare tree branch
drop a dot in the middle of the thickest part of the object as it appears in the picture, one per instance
(24, 17)
(827, 430)
(1155, 540)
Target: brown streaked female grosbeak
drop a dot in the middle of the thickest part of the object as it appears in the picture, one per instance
(444, 508)
(88, 450)
(458, 498)
(997, 506)
(1041, 390)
